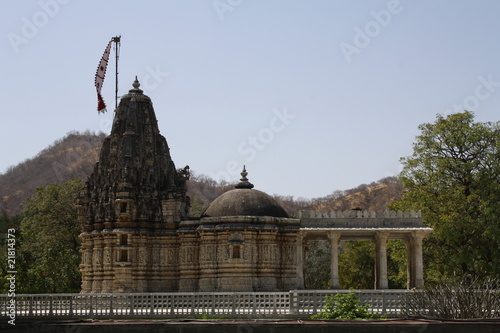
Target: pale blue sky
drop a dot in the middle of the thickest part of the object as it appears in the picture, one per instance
(313, 96)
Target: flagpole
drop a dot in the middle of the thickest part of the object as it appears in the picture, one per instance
(116, 40)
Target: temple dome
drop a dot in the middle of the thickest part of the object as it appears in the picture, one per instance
(244, 201)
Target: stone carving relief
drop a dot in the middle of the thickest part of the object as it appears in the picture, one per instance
(107, 256)
(142, 256)
(87, 258)
(236, 237)
(156, 256)
(97, 257)
(171, 257)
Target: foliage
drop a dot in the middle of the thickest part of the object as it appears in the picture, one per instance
(397, 257)
(6, 222)
(357, 265)
(317, 265)
(47, 256)
(202, 190)
(456, 299)
(208, 316)
(344, 306)
(374, 196)
(453, 176)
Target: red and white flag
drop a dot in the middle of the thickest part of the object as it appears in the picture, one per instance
(99, 78)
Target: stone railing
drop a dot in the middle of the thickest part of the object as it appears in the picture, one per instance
(297, 303)
(308, 302)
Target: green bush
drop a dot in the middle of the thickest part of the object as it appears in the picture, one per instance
(344, 306)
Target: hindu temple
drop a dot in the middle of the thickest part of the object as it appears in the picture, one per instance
(137, 235)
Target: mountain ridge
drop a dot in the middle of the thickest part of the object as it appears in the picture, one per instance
(75, 155)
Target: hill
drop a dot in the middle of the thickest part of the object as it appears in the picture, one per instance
(375, 196)
(74, 156)
(71, 157)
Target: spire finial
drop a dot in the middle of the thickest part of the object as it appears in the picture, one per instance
(244, 183)
(136, 83)
(136, 86)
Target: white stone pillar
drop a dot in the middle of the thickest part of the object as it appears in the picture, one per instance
(300, 261)
(334, 263)
(417, 266)
(381, 281)
(409, 263)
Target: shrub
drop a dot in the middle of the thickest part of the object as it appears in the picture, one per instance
(456, 299)
(344, 306)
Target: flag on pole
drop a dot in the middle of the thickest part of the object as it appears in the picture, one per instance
(99, 78)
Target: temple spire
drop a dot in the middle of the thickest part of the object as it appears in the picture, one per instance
(244, 183)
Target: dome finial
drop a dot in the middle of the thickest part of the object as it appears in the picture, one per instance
(244, 183)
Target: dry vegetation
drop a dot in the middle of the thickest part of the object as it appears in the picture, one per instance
(71, 157)
(74, 157)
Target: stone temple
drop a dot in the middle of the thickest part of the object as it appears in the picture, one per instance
(137, 236)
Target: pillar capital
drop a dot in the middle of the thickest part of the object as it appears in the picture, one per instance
(301, 235)
(334, 235)
(419, 235)
(381, 236)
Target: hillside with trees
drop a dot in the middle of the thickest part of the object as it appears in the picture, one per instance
(72, 157)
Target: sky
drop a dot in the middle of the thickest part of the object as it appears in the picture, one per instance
(312, 96)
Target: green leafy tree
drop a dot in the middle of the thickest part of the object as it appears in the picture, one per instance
(6, 222)
(357, 265)
(48, 258)
(397, 257)
(453, 176)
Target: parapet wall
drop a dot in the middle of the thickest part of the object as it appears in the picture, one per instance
(361, 219)
(360, 214)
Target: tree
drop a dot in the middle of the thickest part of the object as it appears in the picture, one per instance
(7, 223)
(453, 176)
(357, 265)
(48, 254)
(317, 265)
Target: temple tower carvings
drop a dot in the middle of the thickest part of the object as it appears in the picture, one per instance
(131, 205)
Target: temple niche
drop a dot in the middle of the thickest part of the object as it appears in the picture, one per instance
(137, 236)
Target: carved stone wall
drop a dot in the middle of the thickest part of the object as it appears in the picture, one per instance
(240, 254)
